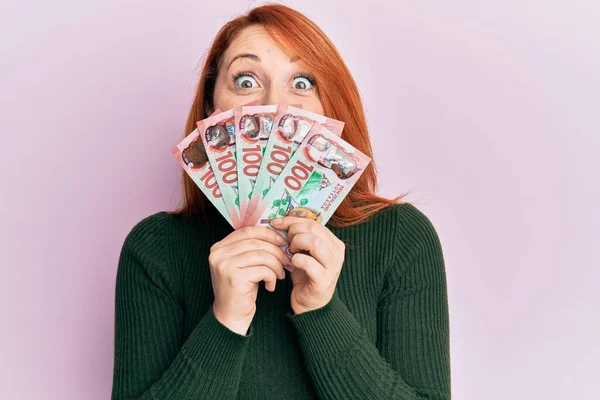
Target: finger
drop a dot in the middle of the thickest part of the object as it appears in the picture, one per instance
(253, 258)
(247, 232)
(246, 245)
(314, 270)
(284, 223)
(311, 227)
(260, 273)
(314, 245)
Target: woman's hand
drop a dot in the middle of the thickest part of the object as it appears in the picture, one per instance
(237, 264)
(316, 264)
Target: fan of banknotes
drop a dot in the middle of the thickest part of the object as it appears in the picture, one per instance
(259, 162)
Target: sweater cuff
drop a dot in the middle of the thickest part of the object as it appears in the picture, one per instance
(216, 348)
(327, 332)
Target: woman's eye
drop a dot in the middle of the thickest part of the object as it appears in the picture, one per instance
(245, 82)
(302, 83)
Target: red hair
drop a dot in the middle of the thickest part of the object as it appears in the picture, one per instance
(299, 37)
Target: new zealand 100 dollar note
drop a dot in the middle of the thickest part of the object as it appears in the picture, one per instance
(316, 179)
(253, 128)
(191, 154)
(217, 133)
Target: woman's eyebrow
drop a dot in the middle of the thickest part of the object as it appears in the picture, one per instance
(244, 55)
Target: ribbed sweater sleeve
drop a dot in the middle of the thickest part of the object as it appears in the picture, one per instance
(150, 360)
(411, 357)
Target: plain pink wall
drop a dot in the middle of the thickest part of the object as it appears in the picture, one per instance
(490, 112)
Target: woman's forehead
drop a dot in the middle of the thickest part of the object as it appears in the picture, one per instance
(254, 40)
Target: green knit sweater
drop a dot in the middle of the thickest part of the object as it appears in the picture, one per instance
(384, 334)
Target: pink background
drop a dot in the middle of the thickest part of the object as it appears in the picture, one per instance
(490, 111)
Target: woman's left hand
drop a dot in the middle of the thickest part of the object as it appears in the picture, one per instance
(316, 272)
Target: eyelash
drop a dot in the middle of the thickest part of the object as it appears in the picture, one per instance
(310, 78)
(238, 76)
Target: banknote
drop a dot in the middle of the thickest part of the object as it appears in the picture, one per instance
(191, 155)
(217, 133)
(253, 128)
(290, 128)
(315, 180)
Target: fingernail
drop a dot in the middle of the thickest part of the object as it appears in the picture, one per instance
(290, 268)
(281, 239)
(289, 253)
(276, 221)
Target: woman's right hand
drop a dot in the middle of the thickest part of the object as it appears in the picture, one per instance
(237, 264)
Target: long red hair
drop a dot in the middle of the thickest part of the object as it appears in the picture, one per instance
(300, 37)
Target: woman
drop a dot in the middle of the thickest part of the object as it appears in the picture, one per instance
(364, 313)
